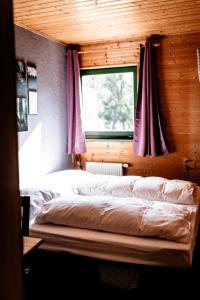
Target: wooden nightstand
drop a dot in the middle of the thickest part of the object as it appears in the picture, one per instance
(30, 243)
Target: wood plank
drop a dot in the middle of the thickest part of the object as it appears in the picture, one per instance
(30, 243)
(105, 11)
(88, 36)
(83, 9)
(111, 36)
(184, 138)
(174, 174)
(60, 18)
(77, 21)
(137, 4)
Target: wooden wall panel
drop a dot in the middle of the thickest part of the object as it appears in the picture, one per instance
(110, 54)
(179, 95)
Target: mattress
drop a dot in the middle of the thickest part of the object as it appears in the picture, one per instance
(114, 247)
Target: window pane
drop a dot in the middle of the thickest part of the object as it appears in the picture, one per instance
(108, 102)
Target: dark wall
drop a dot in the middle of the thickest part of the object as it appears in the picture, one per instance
(42, 149)
(10, 249)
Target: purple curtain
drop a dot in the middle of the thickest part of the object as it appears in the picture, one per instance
(76, 136)
(148, 136)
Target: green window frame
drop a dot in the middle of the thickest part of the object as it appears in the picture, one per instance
(114, 135)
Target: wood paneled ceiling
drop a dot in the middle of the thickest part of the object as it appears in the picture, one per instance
(92, 21)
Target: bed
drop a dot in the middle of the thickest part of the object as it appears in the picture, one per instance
(133, 219)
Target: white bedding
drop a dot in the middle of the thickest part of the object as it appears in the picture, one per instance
(51, 186)
(130, 205)
(60, 182)
(69, 182)
(38, 197)
(149, 220)
(149, 188)
(131, 216)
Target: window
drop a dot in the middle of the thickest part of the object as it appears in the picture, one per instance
(109, 97)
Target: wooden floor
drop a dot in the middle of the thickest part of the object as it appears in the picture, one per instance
(69, 277)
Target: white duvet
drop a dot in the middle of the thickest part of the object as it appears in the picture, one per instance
(69, 182)
(132, 216)
(149, 188)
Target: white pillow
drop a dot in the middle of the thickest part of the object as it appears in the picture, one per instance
(120, 186)
(149, 188)
(181, 191)
(162, 189)
(52, 186)
(38, 197)
(62, 181)
(94, 185)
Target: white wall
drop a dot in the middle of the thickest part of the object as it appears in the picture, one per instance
(42, 149)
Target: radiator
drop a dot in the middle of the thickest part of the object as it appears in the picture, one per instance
(105, 168)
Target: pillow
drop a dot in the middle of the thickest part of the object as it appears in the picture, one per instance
(150, 188)
(162, 189)
(179, 191)
(62, 181)
(94, 185)
(120, 186)
(38, 197)
(51, 186)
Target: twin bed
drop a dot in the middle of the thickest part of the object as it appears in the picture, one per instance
(141, 220)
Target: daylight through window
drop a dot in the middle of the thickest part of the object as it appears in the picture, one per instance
(108, 102)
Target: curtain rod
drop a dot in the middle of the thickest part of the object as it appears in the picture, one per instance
(108, 66)
(114, 49)
(103, 50)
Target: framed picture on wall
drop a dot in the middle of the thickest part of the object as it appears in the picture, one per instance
(22, 114)
(21, 84)
(32, 89)
(31, 77)
(32, 102)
